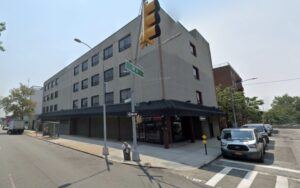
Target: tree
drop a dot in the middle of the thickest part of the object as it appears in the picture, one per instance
(246, 108)
(2, 28)
(285, 109)
(18, 102)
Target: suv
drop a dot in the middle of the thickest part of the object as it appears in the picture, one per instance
(269, 129)
(262, 131)
(244, 143)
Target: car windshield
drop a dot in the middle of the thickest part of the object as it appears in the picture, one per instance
(237, 135)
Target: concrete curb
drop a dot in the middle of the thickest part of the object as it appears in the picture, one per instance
(99, 156)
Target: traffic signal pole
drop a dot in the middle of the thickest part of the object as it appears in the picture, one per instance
(135, 152)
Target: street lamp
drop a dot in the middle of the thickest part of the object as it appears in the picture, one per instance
(233, 87)
(105, 151)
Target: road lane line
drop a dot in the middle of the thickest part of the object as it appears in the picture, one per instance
(248, 179)
(281, 182)
(218, 177)
(263, 166)
(11, 180)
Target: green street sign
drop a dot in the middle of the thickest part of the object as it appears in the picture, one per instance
(129, 66)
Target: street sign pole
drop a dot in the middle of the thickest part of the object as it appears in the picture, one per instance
(135, 152)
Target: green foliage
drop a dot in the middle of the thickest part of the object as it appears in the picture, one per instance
(18, 102)
(2, 28)
(246, 108)
(285, 109)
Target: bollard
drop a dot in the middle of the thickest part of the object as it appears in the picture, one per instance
(204, 142)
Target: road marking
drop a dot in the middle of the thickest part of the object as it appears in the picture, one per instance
(11, 180)
(218, 177)
(248, 179)
(281, 182)
(264, 173)
(263, 166)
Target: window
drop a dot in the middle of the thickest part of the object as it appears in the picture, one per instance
(52, 84)
(124, 94)
(56, 81)
(84, 84)
(95, 60)
(95, 80)
(55, 108)
(84, 66)
(47, 109)
(45, 88)
(76, 70)
(48, 86)
(124, 43)
(109, 98)
(56, 94)
(95, 101)
(48, 98)
(196, 73)
(76, 87)
(75, 104)
(51, 108)
(193, 49)
(108, 52)
(45, 98)
(52, 96)
(44, 109)
(199, 97)
(122, 70)
(109, 75)
(84, 103)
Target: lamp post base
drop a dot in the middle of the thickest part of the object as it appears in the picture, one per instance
(136, 155)
(105, 151)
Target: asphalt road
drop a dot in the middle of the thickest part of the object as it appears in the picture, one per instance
(26, 162)
(281, 168)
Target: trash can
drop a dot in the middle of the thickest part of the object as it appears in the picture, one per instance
(126, 151)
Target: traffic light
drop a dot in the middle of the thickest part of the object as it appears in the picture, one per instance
(150, 25)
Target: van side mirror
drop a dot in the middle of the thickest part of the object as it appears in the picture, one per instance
(218, 137)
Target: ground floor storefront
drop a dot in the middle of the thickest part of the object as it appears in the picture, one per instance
(162, 122)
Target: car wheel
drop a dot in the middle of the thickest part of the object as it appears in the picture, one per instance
(9, 132)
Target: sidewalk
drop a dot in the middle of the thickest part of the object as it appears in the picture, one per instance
(182, 156)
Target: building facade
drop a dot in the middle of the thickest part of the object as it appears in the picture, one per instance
(226, 76)
(37, 98)
(176, 98)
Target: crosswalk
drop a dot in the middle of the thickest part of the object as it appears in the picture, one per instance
(244, 178)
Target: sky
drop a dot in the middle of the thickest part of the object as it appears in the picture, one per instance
(259, 38)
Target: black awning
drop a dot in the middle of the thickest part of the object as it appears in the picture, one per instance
(151, 108)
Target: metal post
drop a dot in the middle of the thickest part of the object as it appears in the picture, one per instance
(232, 100)
(135, 152)
(105, 151)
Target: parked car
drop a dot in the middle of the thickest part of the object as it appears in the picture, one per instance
(269, 129)
(261, 130)
(244, 143)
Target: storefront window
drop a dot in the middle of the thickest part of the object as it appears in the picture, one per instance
(150, 130)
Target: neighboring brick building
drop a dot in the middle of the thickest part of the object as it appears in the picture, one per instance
(226, 76)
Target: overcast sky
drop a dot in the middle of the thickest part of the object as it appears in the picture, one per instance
(260, 38)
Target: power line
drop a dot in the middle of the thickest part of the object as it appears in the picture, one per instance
(271, 82)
